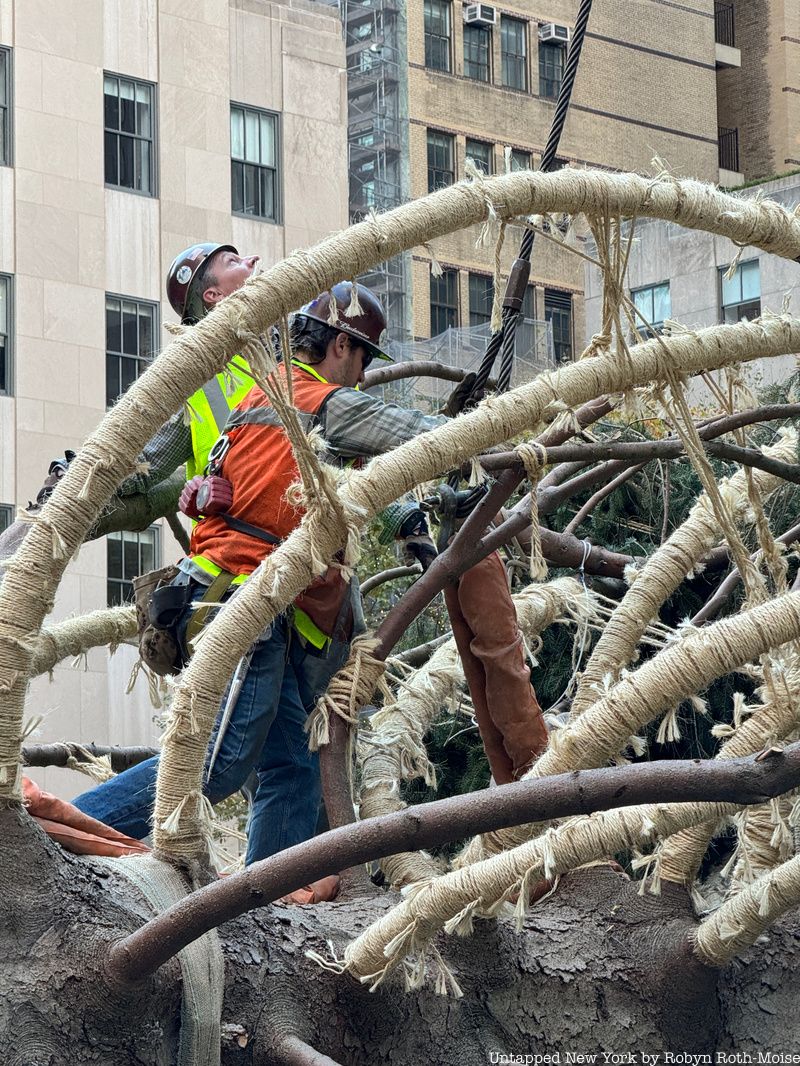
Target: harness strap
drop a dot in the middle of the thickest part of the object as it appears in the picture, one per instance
(210, 598)
(250, 530)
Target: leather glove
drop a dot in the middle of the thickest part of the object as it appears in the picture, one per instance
(461, 397)
(419, 548)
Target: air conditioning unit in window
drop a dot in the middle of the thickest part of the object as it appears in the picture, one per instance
(480, 15)
(555, 34)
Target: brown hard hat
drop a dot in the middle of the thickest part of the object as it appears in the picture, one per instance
(367, 327)
(180, 277)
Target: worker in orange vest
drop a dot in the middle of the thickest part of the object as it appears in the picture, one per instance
(293, 660)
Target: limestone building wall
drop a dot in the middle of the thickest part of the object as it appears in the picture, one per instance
(67, 239)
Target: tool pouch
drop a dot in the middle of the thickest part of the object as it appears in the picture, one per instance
(159, 606)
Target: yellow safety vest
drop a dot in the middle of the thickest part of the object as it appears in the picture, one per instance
(210, 407)
(200, 438)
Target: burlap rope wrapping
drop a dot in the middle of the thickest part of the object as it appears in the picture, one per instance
(770, 721)
(678, 671)
(76, 636)
(363, 493)
(202, 963)
(393, 750)
(451, 902)
(194, 357)
(664, 571)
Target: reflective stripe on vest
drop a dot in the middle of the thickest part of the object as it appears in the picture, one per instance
(210, 408)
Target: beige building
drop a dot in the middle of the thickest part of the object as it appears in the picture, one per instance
(446, 80)
(128, 130)
(759, 92)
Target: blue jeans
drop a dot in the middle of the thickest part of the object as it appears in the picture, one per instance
(266, 733)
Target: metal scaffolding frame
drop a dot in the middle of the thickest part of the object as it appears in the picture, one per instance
(377, 134)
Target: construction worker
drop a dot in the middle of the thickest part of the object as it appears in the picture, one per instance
(293, 660)
(199, 277)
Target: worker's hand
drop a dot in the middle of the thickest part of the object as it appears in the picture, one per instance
(461, 396)
(419, 548)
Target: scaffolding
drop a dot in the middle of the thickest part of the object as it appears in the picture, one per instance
(465, 348)
(377, 134)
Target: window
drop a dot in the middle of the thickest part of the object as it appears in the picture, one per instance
(6, 516)
(477, 52)
(481, 295)
(5, 106)
(444, 302)
(551, 69)
(130, 340)
(741, 296)
(513, 53)
(440, 160)
(129, 134)
(437, 34)
(520, 160)
(528, 336)
(254, 162)
(656, 306)
(480, 152)
(129, 555)
(5, 334)
(558, 311)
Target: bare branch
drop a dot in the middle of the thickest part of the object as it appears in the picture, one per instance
(137, 513)
(422, 368)
(389, 575)
(743, 781)
(600, 495)
(60, 754)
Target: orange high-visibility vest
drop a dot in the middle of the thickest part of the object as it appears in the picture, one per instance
(260, 465)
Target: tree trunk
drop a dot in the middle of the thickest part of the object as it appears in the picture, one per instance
(596, 967)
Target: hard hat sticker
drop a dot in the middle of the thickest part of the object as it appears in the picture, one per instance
(183, 275)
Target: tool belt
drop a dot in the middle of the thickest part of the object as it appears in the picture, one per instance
(162, 602)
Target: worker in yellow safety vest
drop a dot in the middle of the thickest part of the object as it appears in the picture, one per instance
(199, 277)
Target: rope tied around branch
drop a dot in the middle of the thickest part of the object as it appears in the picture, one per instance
(533, 456)
(348, 691)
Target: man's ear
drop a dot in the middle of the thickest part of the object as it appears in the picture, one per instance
(211, 296)
(342, 344)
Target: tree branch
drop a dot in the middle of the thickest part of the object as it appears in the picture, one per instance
(60, 754)
(715, 603)
(422, 368)
(389, 575)
(600, 495)
(137, 513)
(747, 781)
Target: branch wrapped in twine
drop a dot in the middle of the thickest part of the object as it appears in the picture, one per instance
(770, 721)
(75, 636)
(288, 570)
(451, 902)
(666, 568)
(671, 676)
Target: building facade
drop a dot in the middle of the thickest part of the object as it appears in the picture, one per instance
(432, 83)
(130, 129)
(684, 275)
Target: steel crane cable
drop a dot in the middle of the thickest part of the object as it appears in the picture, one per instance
(520, 271)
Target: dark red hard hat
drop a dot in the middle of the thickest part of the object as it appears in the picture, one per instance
(181, 275)
(368, 326)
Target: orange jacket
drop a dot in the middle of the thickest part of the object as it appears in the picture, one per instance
(260, 465)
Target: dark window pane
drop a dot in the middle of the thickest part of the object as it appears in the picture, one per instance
(111, 149)
(551, 69)
(481, 294)
(558, 311)
(115, 555)
(128, 368)
(111, 109)
(126, 167)
(145, 332)
(112, 379)
(444, 302)
(437, 34)
(267, 193)
(129, 337)
(127, 107)
(237, 186)
(481, 155)
(477, 50)
(113, 326)
(520, 160)
(250, 189)
(3, 362)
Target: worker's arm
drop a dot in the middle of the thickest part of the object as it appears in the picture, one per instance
(355, 424)
(170, 448)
